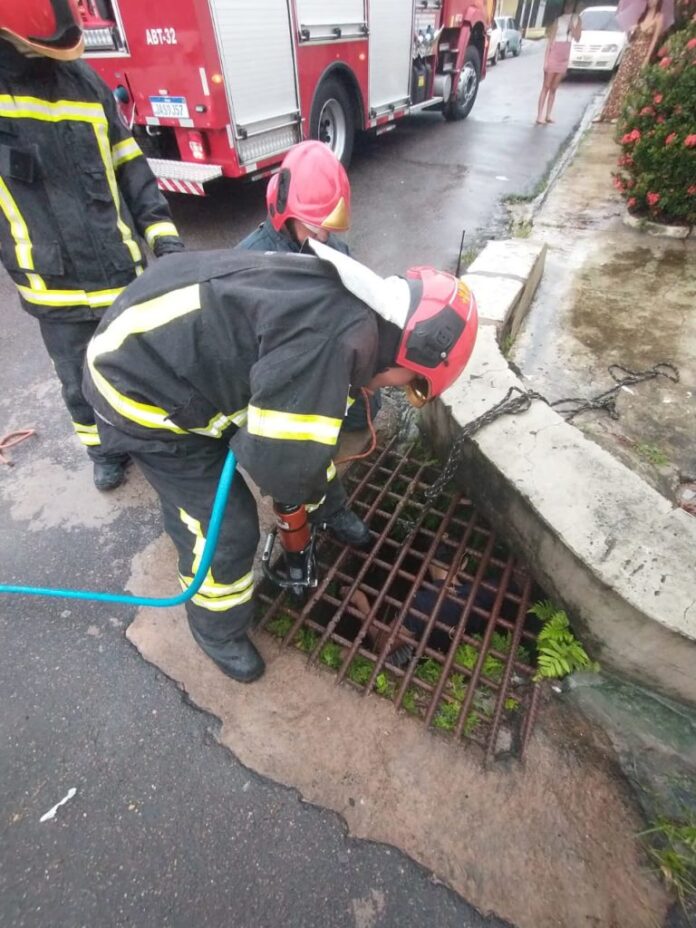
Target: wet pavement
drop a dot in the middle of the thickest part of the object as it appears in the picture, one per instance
(167, 828)
(614, 295)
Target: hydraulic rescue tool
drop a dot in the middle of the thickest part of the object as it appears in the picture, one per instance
(298, 540)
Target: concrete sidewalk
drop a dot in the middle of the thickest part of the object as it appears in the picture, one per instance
(610, 548)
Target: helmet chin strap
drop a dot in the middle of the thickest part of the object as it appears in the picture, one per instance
(389, 297)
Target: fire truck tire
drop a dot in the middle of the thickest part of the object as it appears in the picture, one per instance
(461, 103)
(333, 119)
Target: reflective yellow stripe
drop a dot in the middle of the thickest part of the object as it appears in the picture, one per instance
(20, 234)
(92, 113)
(312, 507)
(89, 440)
(94, 298)
(101, 131)
(124, 151)
(330, 474)
(158, 229)
(143, 317)
(87, 434)
(290, 426)
(219, 423)
(217, 597)
(49, 111)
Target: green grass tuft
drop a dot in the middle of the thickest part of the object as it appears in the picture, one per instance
(429, 671)
(280, 625)
(331, 655)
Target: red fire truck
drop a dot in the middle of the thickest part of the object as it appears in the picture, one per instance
(218, 88)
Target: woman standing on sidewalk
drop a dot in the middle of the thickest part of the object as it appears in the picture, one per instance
(560, 34)
(644, 38)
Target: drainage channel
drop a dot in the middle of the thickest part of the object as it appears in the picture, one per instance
(434, 616)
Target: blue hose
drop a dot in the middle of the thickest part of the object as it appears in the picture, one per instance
(216, 516)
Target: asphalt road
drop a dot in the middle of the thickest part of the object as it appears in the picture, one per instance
(166, 827)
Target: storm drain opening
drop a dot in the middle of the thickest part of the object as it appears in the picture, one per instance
(433, 616)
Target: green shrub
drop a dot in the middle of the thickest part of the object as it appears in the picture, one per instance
(657, 134)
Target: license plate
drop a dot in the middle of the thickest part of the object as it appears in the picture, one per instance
(169, 107)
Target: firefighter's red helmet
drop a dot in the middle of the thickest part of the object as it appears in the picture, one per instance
(311, 186)
(440, 333)
(47, 27)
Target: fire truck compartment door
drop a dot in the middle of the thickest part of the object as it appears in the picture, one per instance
(256, 51)
(319, 19)
(391, 45)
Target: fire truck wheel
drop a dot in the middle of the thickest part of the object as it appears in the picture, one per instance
(460, 105)
(332, 120)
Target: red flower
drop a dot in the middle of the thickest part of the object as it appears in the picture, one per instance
(631, 202)
(692, 190)
(658, 98)
(690, 141)
(666, 62)
(653, 199)
(618, 183)
(670, 138)
(691, 43)
(662, 51)
(647, 111)
(660, 119)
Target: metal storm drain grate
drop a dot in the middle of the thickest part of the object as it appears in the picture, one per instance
(434, 616)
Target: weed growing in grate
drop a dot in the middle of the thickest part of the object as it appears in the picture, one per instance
(446, 716)
(385, 685)
(559, 651)
(502, 641)
(331, 655)
(360, 670)
(466, 655)
(280, 625)
(410, 701)
(456, 686)
(511, 704)
(493, 668)
(429, 671)
(306, 640)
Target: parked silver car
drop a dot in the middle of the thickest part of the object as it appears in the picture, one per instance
(511, 37)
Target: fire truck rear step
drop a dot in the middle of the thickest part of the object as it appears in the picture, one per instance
(183, 176)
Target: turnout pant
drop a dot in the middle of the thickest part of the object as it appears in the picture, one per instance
(185, 473)
(66, 343)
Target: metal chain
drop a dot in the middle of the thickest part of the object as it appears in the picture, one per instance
(517, 400)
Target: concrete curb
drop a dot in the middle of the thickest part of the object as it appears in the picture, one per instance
(656, 228)
(606, 546)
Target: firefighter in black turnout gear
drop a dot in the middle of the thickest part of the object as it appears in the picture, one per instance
(309, 198)
(76, 194)
(257, 352)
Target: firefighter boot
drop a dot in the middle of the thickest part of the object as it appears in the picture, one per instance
(237, 657)
(348, 528)
(108, 474)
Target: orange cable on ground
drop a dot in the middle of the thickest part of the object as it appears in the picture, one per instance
(13, 438)
(373, 433)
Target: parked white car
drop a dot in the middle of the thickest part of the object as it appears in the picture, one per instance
(511, 38)
(602, 42)
(495, 36)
